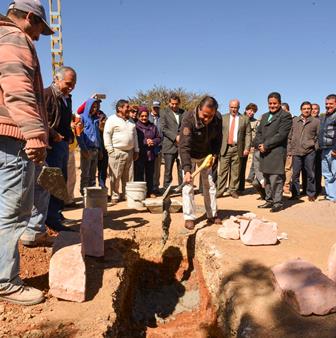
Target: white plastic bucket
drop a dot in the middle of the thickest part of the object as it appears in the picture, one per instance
(136, 194)
(95, 197)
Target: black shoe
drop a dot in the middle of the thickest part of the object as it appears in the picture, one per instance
(276, 208)
(59, 228)
(266, 205)
(294, 198)
(234, 194)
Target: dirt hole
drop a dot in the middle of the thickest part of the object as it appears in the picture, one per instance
(166, 299)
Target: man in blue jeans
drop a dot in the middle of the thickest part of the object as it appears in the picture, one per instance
(23, 137)
(327, 141)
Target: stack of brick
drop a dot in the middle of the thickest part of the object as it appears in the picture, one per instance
(67, 271)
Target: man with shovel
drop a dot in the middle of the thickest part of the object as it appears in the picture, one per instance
(200, 135)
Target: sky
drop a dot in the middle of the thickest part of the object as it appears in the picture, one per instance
(228, 48)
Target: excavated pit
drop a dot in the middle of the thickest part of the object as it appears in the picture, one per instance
(164, 298)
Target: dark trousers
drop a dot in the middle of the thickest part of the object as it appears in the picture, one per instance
(102, 169)
(274, 188)
(308, 163)
(57, 157)
(242, 173)
(168, 173)
(318, 172)
(144, 172)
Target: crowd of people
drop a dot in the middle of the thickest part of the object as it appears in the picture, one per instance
(39, 128)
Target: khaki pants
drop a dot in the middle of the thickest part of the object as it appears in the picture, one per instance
(209, 194)
(71, 182)
(229, 167)
(288, 171)
(121, 169)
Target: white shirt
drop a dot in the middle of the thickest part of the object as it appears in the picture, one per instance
(177, 117)
(120, 134)
(235, 134)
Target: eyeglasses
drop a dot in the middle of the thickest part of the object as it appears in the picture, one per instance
(134, 111)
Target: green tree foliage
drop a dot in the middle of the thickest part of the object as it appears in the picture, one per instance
(189, 100)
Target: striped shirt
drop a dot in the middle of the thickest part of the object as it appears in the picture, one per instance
(22, 108)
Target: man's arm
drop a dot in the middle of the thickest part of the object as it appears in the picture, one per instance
(17, 71)
(108, 134)
(185, 145)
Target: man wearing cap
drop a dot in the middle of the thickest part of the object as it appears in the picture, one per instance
(154, 117)
(23, 137)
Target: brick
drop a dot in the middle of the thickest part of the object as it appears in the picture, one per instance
(305, 288)
(249, 215)
(229, 230)
(67, 274)
(92, 232)
(332, 263)
(258, 232)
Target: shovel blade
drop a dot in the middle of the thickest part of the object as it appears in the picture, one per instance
(52, 180)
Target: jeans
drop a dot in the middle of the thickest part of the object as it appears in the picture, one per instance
(38, 217)
(306, 162)
(329, 174)
(102, 169)
(16, 202)
(57, 157)
(88, 167)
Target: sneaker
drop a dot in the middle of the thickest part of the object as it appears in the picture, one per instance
(276, 208)
(234, 194)
(311, 198)
(41, 240)
(24, 296)
(190, 225)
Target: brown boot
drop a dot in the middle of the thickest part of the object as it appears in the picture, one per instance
(190, 225)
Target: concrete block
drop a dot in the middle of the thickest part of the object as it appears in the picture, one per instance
(67, 274)
(229, 230)
(258, 232)
(305, 287)
(92, 232)
(332, 263)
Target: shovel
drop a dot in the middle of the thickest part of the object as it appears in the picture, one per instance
(52, 180)
(166, 220)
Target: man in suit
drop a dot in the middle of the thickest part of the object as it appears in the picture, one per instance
(170, 125)
(271, 140)
(236, 144)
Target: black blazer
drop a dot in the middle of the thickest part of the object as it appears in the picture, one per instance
(170, 129)
(274, 135)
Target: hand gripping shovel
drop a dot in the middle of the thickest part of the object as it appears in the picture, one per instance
(52, 180)
(208, 161)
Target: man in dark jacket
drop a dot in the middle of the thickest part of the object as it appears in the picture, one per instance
(327, 141)
(271, 141)
(201, 135)
(170, 122)
(59, 108)
(302, 145)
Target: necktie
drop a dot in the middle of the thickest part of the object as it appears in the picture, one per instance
(231, 132)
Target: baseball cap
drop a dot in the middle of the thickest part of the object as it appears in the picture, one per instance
(156, 104)
(36, 8)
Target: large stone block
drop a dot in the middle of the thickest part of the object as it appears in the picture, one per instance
(229, 230)
(332, 263)
(92, 232)
(67, 274)
(258, 232)
(305, 287)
